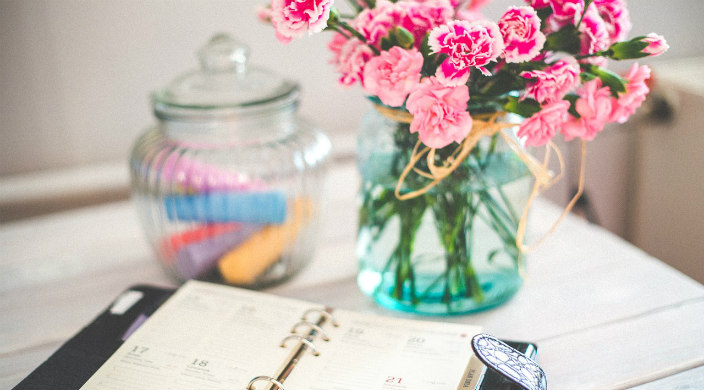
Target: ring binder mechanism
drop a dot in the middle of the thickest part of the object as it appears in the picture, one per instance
(311, 326)
(323, 313)
(269, 379)
(305, 341)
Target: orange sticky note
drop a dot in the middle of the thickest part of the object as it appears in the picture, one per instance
(248, 261)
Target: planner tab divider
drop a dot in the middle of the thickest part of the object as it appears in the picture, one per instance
(305, 342)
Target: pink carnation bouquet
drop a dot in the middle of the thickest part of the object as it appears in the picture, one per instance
(451, 74)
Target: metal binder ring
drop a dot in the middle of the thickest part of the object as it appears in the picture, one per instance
(302, 340)
(322, 313)
(267, 379)
(312, 326)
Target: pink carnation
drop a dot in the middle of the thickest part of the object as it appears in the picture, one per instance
(335, 46)
(635, 94)
(476, 5)
(656, 45)
(416, 17)
(393, 74)
(439, 112)
(292, 18)
(595, 36)
(554, 82)
(567, 10)
(423, 17)
(538, 4)
(616, 18)
(594, 108)
(264, 14)
(520, 28)
(351, 61)
(467, 45)
(543, 125)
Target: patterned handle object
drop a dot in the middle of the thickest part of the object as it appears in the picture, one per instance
(510, 363)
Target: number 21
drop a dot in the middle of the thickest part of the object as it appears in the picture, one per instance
(393, 379)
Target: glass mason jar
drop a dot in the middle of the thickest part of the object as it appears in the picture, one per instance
(227, 184)
(451, 250)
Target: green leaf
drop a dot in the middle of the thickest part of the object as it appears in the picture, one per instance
(334, 18)
(525, 108)
(397, 36)
(566, 39)
(387, 42)
(501, 83)
(615, 82)
(544, 12)
(628, 50)
(404, 37)
(572, 98)
(587, 76)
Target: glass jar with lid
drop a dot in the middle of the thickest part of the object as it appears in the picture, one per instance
(227, 183)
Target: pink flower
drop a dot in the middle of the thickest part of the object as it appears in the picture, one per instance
(554, 82)
(453, 3)
(595, 36)
(439, 113)
(520, 28)
(416, 17)
(375, 23)
(393, 74)
(594, 108)
(292, 18)
(469, 16)
(615, 16)
(538, 4)
(335, 46)
(264, 14)
(543, 125)
(476, 5)
(635, 94)
(467, 45)
(351, 61)
(423, 17)
(567, 10)
(656, 44)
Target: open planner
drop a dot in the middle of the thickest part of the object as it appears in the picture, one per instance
(208, 336)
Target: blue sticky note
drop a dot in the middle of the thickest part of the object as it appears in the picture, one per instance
(264, 207)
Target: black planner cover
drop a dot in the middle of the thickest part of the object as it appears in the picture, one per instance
(76, 361)
(80, 357)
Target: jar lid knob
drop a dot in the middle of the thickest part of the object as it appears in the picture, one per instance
(223, 53)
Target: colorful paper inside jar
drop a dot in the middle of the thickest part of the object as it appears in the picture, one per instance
(262, 207)
(241, 252)
(244, 264)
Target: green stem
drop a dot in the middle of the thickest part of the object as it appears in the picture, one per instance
(411, 215)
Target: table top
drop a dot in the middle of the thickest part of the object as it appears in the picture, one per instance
(604, 314)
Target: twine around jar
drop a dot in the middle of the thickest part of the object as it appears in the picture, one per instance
(487, 125)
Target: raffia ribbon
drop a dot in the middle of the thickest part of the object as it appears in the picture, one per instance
(483, 126)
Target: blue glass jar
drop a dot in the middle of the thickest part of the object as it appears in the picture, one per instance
(451, 250)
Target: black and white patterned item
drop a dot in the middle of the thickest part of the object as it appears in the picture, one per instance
(510, 363)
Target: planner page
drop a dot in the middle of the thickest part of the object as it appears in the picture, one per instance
(374, 352)
(205, 336)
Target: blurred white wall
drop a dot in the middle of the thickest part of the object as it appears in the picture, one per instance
(75, 75)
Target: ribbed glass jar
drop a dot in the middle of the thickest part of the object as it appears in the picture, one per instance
(227, 183)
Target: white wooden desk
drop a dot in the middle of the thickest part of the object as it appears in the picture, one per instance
(604, 314)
